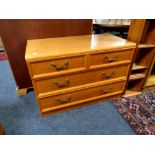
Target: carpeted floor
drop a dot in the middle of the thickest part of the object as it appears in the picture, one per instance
(20, 115)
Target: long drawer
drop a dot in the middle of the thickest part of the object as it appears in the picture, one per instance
(74, 96)
(63, 82)
(110, 57)
(57, 65)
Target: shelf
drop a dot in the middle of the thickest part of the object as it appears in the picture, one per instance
(129, 93)
(151, 81)
(145, 46)
(113, 25)
(136, 76)
(138, 67)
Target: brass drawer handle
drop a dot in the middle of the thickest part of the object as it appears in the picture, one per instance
(105, 91)
(110, 60)
(60, 85)
(64, 100)
(105, 75)
(59, 68)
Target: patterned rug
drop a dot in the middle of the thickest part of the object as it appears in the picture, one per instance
(139, 111)
(3, 56)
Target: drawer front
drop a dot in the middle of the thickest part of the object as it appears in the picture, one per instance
(57, 65)
(66, 98)
(111, 57)
(53, 84)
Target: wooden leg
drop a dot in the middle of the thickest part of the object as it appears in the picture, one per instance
(1, 129)
(21, 92)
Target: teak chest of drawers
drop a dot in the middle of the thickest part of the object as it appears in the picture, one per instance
(71, 72)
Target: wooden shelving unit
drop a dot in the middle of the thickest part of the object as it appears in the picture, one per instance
(151, 77)
(141, 32)
(129, 93)
(116, 27)
(136, 76)
(145, 46)
(138, 67)
(150, 81)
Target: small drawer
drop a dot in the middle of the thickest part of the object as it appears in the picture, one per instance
(57, 65)
(63, 82)
(110, 57)
(87, 93)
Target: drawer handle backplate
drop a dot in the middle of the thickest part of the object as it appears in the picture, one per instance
(106, 75)
(60, 85)
(110, 60)
(59, 68)
(64, 100)
(105, 91)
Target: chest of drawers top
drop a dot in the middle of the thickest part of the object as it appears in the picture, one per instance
(41, 49)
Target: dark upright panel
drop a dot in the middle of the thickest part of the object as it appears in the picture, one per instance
(15, 33)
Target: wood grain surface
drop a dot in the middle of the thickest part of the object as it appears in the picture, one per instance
(15, 34)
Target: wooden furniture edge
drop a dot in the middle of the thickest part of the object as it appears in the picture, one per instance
(39, 59)
(79, 104)
(82, 87)
(72, 71)
(22, 91)
(1, 129)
